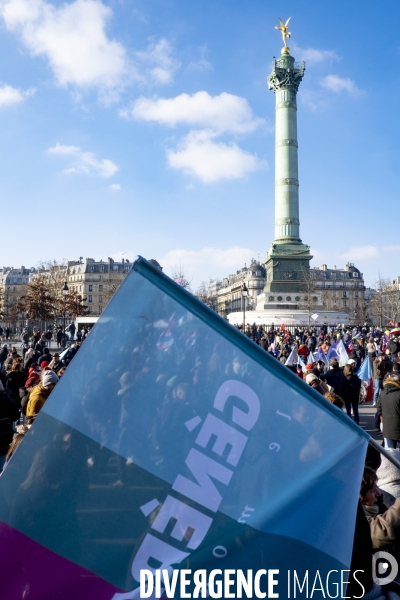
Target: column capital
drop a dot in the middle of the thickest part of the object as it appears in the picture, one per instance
(286, 74)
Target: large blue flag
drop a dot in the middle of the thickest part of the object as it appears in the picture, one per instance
(156, 452)
(365, 372)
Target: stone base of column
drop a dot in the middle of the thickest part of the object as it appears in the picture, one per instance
(288, 267)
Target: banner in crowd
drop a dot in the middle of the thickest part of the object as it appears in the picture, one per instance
(174, 441)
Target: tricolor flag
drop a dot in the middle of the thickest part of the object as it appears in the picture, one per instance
(126, 469)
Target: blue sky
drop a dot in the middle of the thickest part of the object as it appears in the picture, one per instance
(147, 127)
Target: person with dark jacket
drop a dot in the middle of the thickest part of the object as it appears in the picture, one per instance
(46, 356)
(334, 377)
(16, 379)
(3, 355)
(381, 365)
(393, 346)
(388, 407)
(351, 392)
(8, 414)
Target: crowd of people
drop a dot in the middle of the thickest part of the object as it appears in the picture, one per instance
(28, 374)
(313, 354)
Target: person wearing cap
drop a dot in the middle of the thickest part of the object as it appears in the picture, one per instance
(334, 377)
(313, 381)
(56, 363)
(40, 393)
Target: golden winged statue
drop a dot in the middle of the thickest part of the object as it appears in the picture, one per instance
(283, 27)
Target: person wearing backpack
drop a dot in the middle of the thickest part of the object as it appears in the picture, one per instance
(351, 391)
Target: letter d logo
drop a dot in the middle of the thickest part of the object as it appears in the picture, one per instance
(380, 569)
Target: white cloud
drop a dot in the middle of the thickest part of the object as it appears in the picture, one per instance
(10, 95)
(115, 187)
(158, 56)
(361, 253)
(84, 162)
(337, 84)
(71, 37)
(313, 56)
(207, 262)
(225, 112)
(199, 155)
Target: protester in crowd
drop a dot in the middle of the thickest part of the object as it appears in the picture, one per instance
(16, 379)
(381, 366)
(351, 391)
(56, 363)
(40, 393)
(389, 475)
(334, 377)
(384, 522)
(388, 407)
(46, 356)
(9, 413)
(314, 382)
(3, 355)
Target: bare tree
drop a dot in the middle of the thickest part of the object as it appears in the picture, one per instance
(310, 290)
(202, 293)
(53, 274)
(385, 301)
(179, 276)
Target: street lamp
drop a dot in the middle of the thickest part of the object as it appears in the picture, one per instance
(65, 294)
(245, 293)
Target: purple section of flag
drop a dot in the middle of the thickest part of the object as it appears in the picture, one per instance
(29, 570)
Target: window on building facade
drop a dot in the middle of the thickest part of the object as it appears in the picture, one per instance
(258, 273)
(90, 288)
(100, 287)
(90, 299)
(101, 268)
(100, 298)
(344, 294)
(91, 268)
(100, 309)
